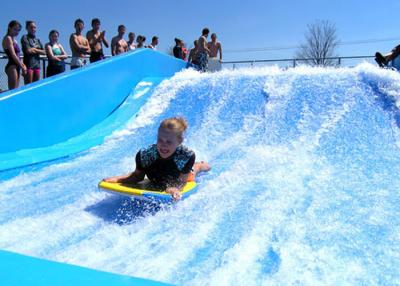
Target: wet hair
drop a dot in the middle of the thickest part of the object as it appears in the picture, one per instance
(178, 41)
(78, 21)
(205, 31)
(95, 21)
(177, 125)
(154, 38)
(53, 32)
(195, 43)
(12, 24)
(131, 34)
(213, 35)
(120, 27)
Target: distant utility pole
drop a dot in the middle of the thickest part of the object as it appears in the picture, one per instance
(320, 43)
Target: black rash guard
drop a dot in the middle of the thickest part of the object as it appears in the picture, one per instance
(165, 172)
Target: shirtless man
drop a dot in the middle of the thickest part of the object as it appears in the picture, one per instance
(79, 46)
(202, 50)
(214, 46)
(96, 40)
(118, 44)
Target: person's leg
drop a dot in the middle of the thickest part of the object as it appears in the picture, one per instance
(28, 78)
(380, 59)
(36, 75)
(13, 77)
(200, 167)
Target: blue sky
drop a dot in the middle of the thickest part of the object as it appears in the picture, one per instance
(240, 25)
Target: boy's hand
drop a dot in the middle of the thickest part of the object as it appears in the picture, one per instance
(174, 192)
(111, 180)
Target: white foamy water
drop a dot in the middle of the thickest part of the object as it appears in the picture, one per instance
(303, 190)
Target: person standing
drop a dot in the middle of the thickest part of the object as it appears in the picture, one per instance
(12, 50)
(131, 41)
(140, 42)
(193, 54)
(118, 43)
(203, 51)
(154, 43)
(214, 64)
(96, 40)
(56, 55)
(32, 49)
(177, 50)
(79, 46)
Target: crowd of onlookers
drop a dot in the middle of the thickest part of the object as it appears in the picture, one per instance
(202, 56)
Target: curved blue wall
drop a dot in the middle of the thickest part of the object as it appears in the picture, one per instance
(58, 108)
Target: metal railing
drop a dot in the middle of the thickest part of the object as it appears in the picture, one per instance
(44, 61)
(294, 61)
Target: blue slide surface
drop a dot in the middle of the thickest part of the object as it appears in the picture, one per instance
(20, 270)
(66, 114)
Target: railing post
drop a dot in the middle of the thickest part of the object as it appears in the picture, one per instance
(339, 61)
(44, 69)
(294, 63)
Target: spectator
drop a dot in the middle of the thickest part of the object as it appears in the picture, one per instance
(32, 49)
(140, 42)
(383, 60)
(193, 54)
(185, 51)
(154, 43)
(131, 41)
(12, 50)
(79, 46)
(56, 55)
(215, 47)
(177, 50)
(96, 40)
(203, 51)
(118, 43)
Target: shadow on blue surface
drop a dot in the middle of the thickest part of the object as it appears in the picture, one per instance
(123, 210)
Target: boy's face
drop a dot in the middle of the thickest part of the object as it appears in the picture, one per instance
(167, 142)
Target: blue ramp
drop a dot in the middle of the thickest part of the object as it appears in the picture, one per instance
(21, 270)
(47, 113)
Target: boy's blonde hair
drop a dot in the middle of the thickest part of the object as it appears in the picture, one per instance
(178, 125)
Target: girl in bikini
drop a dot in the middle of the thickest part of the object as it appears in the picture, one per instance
(12, 50)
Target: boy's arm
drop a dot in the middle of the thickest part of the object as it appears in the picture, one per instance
(134, 177)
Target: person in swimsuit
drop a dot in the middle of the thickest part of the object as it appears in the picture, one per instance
(32, 49)
(131, 41)
(167, 164)
(140, 42)
(79, 46)
(96, 40)
(193, 54)
(203, 51)
(215, 47)
(12, 50)
(177, 50)
(118, 44)
(154, 43)
(56, 55)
